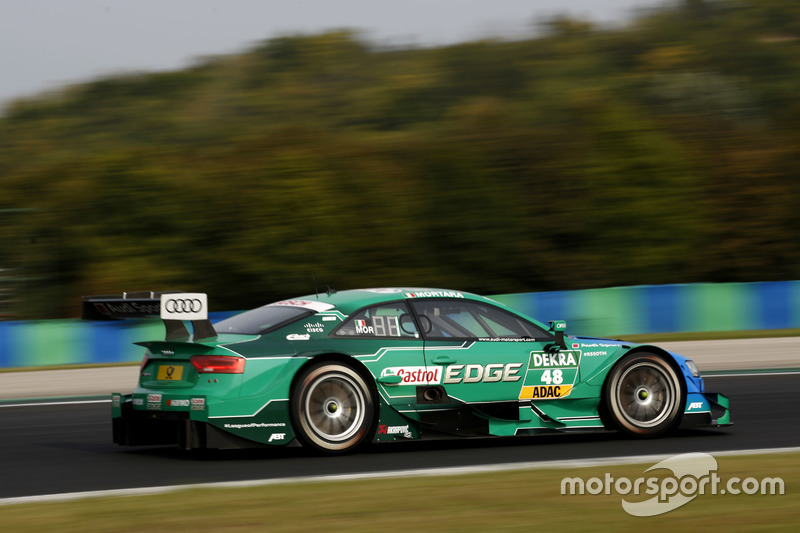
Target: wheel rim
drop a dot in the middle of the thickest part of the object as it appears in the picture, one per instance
(335, 407)
(646, 395)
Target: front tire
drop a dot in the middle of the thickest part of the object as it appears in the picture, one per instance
(332, 408)
(644, 395)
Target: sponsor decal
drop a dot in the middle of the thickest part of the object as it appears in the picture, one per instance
(384, 291)
(153, 402)
(184, 306)
(550, 375)
(128, 308)
(307, 304)
(177, 403)
(255, 425)
(695, 405)
(394, 430)
(277, 436)
(138, 402)
(539, 392)
(491, 373)
(433, 294)
(507, 339)
(559, 359)
(198, 404)
(297, 337)
(415, 375)
(594, 353)
(116, 400)
(315, 327)
(596, 345)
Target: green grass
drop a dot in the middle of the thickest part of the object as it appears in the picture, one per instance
(509, 501)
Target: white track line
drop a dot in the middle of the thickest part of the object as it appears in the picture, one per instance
(426, 472)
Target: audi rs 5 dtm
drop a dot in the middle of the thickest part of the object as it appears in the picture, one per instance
(336, 371)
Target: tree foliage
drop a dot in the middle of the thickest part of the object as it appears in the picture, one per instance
(661, 152)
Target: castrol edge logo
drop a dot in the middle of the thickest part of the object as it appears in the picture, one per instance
(184, 306)
(415, 375)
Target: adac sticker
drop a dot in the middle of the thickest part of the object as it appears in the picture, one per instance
(545, 392)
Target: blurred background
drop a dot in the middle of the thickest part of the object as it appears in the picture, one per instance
(565, 153)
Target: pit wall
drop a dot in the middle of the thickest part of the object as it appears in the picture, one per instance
(610, 312)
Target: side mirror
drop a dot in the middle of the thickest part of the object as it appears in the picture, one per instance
(557, 328)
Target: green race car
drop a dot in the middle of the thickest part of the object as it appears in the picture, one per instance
(338, 370)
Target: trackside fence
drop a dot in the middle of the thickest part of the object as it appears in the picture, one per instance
(608, 312)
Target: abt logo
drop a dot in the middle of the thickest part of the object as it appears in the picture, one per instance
(277, 436)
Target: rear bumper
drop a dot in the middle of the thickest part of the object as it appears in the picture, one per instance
(186, 429)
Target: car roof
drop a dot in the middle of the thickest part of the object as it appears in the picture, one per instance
(348, 301)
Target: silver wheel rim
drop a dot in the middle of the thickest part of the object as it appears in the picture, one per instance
(646, 395)
(335, 407)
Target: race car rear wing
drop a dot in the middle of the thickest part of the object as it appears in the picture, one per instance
(173, 307)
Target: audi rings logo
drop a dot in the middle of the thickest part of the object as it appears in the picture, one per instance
(184, 306)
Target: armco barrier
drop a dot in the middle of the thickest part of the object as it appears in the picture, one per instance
(75, 342)
(641, 309)
(610, 312)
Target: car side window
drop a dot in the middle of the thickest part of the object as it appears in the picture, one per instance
(464, 319)
(384, 320)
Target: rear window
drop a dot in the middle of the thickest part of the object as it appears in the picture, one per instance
(261, 320)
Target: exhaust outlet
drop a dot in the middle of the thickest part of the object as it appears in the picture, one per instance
(432, 394)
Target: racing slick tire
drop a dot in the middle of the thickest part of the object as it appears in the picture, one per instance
(644, 395)
(332, 408)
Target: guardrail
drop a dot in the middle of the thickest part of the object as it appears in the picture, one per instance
(619, 311)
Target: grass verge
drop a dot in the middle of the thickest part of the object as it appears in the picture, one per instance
(507, 501)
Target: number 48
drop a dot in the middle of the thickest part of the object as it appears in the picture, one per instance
(557, 377)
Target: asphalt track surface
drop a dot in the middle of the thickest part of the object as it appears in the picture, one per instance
(64, 448)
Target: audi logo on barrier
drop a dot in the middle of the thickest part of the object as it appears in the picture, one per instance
(183, 305)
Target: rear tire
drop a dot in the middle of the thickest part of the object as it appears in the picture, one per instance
(332, 408)
(644, 395)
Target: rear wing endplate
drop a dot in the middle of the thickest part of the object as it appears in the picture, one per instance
(173, 307)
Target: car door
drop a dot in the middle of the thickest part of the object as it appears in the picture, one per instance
(485, 352)
(385, 339)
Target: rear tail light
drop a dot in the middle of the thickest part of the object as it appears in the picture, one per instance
(218, 364)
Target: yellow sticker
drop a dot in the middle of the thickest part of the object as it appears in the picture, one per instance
(170, 372)
(544, 392)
